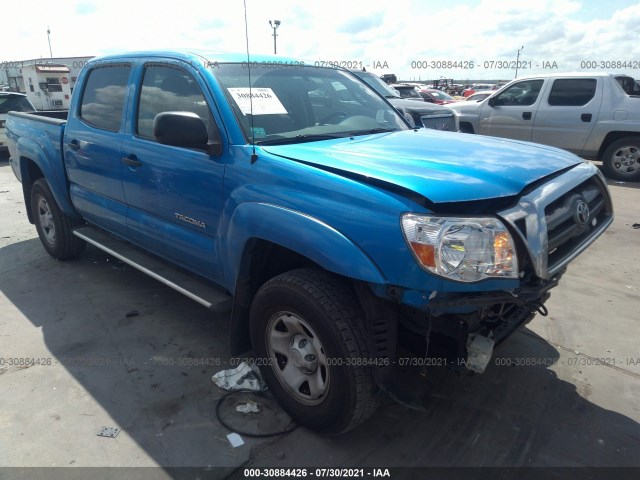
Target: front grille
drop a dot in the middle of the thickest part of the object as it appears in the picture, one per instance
(439, 122)
(569, 223)
(561, 218)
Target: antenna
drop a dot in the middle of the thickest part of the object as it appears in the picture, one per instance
(49, 40)
(254, 155)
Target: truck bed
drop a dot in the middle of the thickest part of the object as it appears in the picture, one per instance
(54, 117)
(38, 135)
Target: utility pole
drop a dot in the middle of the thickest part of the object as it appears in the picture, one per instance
(275, 24)
(49, 38)
(518, 60)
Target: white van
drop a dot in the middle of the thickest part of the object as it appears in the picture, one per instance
(10, 101)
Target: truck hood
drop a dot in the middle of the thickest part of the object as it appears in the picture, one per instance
(440, 166)
(467, 107)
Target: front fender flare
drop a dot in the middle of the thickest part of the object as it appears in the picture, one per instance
(300, 233)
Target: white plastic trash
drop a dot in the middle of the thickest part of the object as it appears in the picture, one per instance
(243, 377)
(248, 408)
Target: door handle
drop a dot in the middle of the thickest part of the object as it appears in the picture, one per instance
(74, 144)
(585, 117)
(132, 161)
(526, 115)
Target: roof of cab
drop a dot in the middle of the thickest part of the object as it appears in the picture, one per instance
(201, 56)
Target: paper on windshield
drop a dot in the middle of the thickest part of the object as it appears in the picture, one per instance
(265, 102)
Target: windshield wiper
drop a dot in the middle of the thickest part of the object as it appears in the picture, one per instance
(371, 130)
(308, 137)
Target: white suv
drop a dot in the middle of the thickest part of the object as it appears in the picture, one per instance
(10, 101)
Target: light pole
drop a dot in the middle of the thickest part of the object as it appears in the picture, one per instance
(49, 39)
(274, 24)
(518, 59)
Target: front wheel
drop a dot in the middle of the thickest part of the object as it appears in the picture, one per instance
(308, 334)
(621, 159)
(54, 227)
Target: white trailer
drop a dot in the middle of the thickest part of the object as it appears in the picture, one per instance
(48, 85)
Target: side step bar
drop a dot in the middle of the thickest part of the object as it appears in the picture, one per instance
(200, 291)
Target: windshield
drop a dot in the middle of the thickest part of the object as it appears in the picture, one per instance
(408, 92)
(629, 85)
(16, 103)
(377, 84)
(303, 103)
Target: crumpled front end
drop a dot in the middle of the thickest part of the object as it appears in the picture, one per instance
(551, 225)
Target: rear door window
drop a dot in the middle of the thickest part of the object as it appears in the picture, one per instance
(572, 92)
(104, 95)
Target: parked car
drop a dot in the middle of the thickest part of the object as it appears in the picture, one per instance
(418, 114)
(436, 96)
(329, 227)
(590, 114)
(389, 78)
(11, 101)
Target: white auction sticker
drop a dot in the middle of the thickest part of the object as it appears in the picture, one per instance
(265, 102)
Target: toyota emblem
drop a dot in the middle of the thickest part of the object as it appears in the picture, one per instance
(581, 215)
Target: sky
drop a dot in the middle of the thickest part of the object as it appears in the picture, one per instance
(416, 40)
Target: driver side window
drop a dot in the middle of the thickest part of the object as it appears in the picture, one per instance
(522, 94)
(164, 89)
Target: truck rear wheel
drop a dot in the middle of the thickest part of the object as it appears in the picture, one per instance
(308, 334)
(54, 227)
(621, 160)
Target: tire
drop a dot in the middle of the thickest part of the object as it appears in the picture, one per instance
(302, 323)
(621, 159)
(54, 227)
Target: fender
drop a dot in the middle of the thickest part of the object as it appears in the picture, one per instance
(41, 154)
(604, 133)
(469, 114)
(299, 232)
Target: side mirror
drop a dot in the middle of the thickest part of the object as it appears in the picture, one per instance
(492, 101)
(184, 129)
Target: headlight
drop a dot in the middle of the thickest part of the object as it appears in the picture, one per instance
(463, 249)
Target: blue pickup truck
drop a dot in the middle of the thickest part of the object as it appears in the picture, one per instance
(300, 199)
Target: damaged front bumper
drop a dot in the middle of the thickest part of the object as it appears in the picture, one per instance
(462, 329)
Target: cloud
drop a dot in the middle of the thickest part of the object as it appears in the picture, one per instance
(361, 24)
(399, 33)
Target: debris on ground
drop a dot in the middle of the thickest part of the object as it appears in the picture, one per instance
(249, 407)
(235, 440)
(244, 377)
(110, 432)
